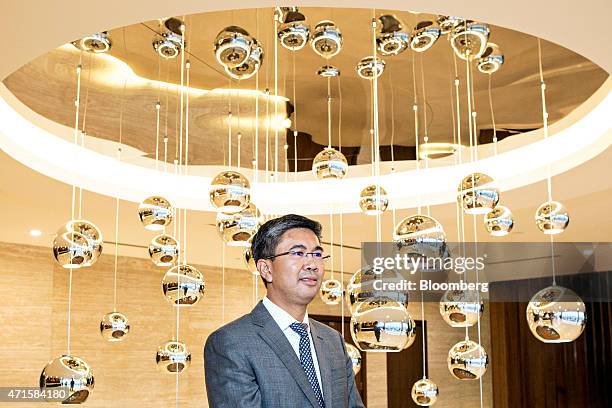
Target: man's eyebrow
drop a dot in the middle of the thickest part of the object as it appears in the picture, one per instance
(297, 246)
(318, 248)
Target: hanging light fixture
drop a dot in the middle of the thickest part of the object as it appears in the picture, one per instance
(326, 39)
(249, 261)
(168, 45)
(467, 360)
(355, 355)
(424, 392)
(329, 164)
(499, 222)
(232, 46)
(70, 373)
(448, 23)
(155, 213)
(383, 328)
(552, 218)
(230, 192)
(373, 200)
(391, 40)
(461, 308)
(183, 285)
(251, 65)
(77, 244)
(469, 39)
(237, 229)
(114, 326)
(164, 250)
(293, 33)
(421, 235)
(328, 71)
(556, 315)
(478, 194)
(492, 59)
(424, 36)
(369, 67)
(361, 289)
(173, 357)
(96, 43)
(331, 291)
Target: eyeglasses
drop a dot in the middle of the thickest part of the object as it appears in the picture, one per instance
(318, 256)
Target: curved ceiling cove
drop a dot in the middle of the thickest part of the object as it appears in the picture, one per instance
(257, 96)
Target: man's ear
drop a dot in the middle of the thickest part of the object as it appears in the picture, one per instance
(265, 269)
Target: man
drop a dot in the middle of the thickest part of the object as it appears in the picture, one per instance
(276, 357)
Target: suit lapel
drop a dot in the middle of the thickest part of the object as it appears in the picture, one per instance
(274, 337)
(323, 358)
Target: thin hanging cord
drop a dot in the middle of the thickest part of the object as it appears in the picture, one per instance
(376, 134)
(229, 125)
(331, 241)
(474, 113)
(544, 116)
(157, 112)
(458, 110)
(549, 170)
(415, 109)
(276, 125)
(77, 104)
(469, 102)
(393, 140)
(267, 135)
(89, 69)
(329, 119)
(492, 118)
(295, 123)
(239, 135)
(425, 124)
(188, 75)
(117, 198)
(342, 273)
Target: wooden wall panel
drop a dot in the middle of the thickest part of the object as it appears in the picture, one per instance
(529, 373)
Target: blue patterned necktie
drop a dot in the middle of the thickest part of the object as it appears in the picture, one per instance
(306, 360)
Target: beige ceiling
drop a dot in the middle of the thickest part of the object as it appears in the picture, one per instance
(47, 85)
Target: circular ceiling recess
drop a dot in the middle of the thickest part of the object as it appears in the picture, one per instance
(250, 76)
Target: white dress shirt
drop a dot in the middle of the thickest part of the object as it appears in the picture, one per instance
(284, 320)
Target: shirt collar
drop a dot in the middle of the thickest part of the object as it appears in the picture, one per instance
(280, 316)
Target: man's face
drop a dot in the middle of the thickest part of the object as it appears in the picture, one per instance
(294, 279)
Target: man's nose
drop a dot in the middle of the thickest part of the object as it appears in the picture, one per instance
(310, 264)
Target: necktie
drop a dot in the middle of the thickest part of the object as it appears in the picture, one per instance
(306, 360)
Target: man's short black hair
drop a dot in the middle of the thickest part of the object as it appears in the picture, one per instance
(268, 236)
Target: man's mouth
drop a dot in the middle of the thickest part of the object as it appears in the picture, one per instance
(309, 280)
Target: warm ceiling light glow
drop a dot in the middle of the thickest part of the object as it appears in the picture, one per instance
(35, 232)
(436, 150)
(116, 72)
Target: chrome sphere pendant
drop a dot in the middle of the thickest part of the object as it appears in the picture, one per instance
(331, 291)
(114, 326)
(499, 222)
(424, 392)
(173, 357)
(77, 244)
(373, 200)
(467, 360)
(230, 192)
(355, 355)
(477, 194)
(552, 218)
(71, 373)
(461, 308)
(329, 164)
(383, 328)
(421, 235)
(155, 213)
(164, 250)
(183, 285)
(556, 315)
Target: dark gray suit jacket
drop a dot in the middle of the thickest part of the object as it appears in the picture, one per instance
(250, 363)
